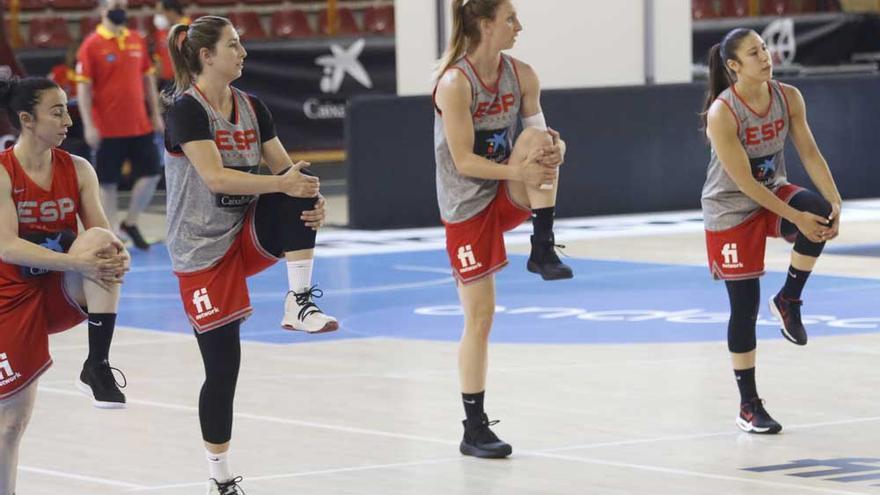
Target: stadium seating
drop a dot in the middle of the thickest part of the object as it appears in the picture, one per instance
(248, 25)
(291, 24)
(703, 9)
(380, 20)
(735, 8)
(49, 32)
(345, 22)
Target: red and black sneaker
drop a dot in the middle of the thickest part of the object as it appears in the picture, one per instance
(753, 418)
(788, 311)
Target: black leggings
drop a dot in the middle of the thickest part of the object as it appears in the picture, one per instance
(279, 230)
(806, 200)
(744, 298)
(745, 295)
(278, 224)
(221, 353)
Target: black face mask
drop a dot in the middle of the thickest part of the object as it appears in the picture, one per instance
(117, 16)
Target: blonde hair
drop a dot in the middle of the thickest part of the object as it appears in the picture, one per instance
(466, 17)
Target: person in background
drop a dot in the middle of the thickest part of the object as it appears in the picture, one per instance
(115, 78)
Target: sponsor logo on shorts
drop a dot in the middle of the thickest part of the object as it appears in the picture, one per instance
(202, 302)
(466, 258)
(731, 256)
(7, 376)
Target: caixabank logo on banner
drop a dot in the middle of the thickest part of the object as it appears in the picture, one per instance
(342, 62)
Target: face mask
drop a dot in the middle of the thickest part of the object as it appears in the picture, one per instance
(117, 16)
(160, 22)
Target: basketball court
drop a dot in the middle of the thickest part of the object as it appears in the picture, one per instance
(617, 381)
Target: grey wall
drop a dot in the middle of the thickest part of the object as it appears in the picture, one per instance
(631, 149)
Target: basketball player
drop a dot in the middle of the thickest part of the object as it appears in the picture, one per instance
(225, 222)
(486, 185)
(51, 278)
(747, 198)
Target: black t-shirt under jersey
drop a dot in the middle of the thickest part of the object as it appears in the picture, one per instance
(186, 120)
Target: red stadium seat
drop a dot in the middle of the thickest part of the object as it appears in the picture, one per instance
(136, 4)
(734, 8)
(291, 24)
(261, 2)
(703, 9)
(215, 2)
(87, 25)
(143, 25)
(74, 4)
(27, 5)
(345, 22)
(778, 7)
(248, 25)
(49, 32)
(380, 20)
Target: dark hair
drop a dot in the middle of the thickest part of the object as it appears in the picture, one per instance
(174, 5)
(465, 29)
(204, 32)
(720, 77)
(22, 95)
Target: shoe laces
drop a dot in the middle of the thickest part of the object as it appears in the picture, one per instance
(304, 300)
(105, 372)
(230, 487)
(483, 433)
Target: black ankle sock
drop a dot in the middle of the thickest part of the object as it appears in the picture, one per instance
(101, 327)
(473, 407)
(794, 283)
(542, 222)
(745, 380)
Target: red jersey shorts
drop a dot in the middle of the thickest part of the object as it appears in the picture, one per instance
(29, 312)
(738, 253)
(218, 295)
(476, 245)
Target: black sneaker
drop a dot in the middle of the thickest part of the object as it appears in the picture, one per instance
(226, 488)
(134, 233)
(788, 311)
(98, 382)
(544, 261)
(480, 441)
(753, 418)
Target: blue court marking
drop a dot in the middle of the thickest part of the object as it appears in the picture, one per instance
(411, 295)
(855, 250)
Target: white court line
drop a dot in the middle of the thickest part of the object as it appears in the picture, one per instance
(695, 474)
(542, 453)
(269, 419)
(79, 477)
(316, 473)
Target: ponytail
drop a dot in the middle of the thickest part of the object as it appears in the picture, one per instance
(720, 77)
(184, 45)
(466, 16)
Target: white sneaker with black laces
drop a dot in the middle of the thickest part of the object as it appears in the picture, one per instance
(230, 487)
(302, 314)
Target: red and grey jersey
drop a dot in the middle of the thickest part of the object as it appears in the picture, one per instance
(495, 111)
(47, 217)
(763, 137)
(202, 225)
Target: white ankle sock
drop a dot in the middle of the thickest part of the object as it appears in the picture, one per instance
(299, 275)
(218, 466)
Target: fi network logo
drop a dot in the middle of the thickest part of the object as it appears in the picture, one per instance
(343, 61)
(7, 376)
(202, 302)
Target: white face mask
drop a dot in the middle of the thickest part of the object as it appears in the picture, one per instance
(161, 22)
